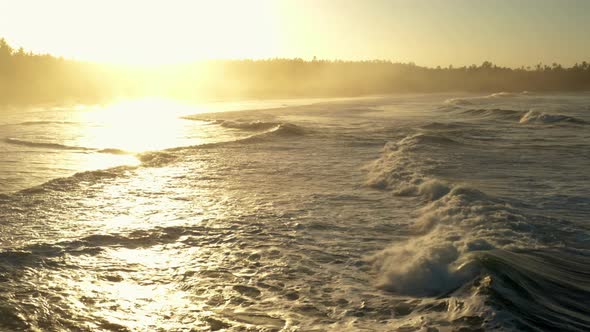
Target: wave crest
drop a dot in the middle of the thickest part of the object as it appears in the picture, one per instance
(57, 146)
(285, 130)
(34, 123)
(535, 117)
(247, 125)
(458, 102)
(456, 223)
(398, 167)
(156, 158)
(494, 114)
(452, 231)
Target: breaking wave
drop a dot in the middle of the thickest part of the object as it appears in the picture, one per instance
(398, 169)
(482, 251)
(439, 260)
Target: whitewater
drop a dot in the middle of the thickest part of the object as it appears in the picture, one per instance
(437, 212)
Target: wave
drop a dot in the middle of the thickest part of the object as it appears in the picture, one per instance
(34, 123)
(459, 102)
(247, 125)
(544, 290)
(284, 130)
(255, 125)
(45, 145)
(438, 261)
(459, 222)
(71, 182)
(505, 94)
(516, 290)
(95, 243)
(466, 246)
(157, 158)
(443, 126)
(494, 114)
(148, 159)
(520, 116)
(56, 146)
(397, 168)
(473, 100)
(535, 117)
(483, 253)
(113, 151)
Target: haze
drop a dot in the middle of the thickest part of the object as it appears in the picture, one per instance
(428, 33)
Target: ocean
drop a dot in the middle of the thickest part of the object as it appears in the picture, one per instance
(436, 212)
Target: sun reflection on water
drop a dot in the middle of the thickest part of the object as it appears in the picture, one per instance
(140, 125)
(138, 294)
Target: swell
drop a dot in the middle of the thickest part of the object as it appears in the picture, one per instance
(34, 123)
(523, 117)
(56, 146)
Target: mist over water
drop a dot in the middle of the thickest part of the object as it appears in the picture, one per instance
(414, 213)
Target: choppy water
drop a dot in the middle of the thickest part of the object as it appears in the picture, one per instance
(409, 213)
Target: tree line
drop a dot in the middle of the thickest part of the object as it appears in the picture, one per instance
(41, 78)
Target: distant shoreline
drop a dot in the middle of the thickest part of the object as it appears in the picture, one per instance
(32, 79)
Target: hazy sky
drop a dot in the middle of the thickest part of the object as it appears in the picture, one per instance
(427, 32)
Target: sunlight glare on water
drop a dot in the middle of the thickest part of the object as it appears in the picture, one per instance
(55, 142)
(140, 125)
(304, 218)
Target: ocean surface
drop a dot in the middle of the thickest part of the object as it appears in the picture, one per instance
(398, 213)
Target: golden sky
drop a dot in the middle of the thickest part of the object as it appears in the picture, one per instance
(427, 32)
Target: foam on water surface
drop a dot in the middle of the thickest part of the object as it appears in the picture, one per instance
(410, 213)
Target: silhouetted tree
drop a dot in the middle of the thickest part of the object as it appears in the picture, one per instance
(31, 78)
